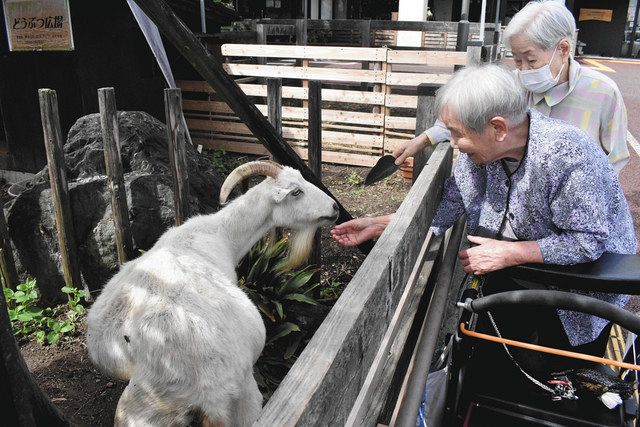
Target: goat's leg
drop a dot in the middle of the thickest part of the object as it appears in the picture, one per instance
(246, 409)
(141, 405)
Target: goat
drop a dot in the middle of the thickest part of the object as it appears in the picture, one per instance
(174, 322)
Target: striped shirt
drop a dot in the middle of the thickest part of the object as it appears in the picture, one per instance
(589, 100)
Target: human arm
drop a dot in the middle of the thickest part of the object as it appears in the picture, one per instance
(578, 203)
(358, 230)
(613, 131)
(432, 136)
(491, 255)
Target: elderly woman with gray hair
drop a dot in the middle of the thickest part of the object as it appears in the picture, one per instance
(531, 186)
(540, 39)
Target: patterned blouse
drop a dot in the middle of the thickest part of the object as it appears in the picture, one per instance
(589, 100)
(565, 195)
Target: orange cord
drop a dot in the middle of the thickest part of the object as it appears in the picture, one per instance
(549, 350)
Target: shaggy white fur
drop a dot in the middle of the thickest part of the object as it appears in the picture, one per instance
(174, 323)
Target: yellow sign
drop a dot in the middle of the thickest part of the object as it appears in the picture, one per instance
(38, 25)
(595, 15)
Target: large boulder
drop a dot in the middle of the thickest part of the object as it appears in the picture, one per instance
(148, 182)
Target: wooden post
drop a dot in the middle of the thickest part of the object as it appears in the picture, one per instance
(261, 38)
(315, 150)
(210, 68)
(7, 263)
(115, 177)
(463, 36)
(426, 116)
(177, 156)
(59, 190)
(301, 32)
(365, 31)
(274, 103)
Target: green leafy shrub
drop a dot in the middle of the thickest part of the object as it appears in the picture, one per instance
(47, 324)
(354, 179)
(275, 291)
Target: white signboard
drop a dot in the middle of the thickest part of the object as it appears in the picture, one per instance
(38, 25)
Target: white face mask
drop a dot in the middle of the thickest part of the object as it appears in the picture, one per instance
(540, 80)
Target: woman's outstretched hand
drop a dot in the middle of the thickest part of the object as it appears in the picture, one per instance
(358, 230)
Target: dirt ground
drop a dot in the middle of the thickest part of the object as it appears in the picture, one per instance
(89, 398)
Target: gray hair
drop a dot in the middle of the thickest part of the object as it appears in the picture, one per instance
(478, 93)
(544, 23)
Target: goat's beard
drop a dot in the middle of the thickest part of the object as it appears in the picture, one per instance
(300, 246)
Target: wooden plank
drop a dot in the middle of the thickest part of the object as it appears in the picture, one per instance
(115, 175)
(333, 116)
(393, 122)
(305, 52)
(53, 142)
(257, 149)
(414, 79)
(297, 133)
(370, 400)
(336, 95)
(401, 101)
(212, 106)
(323, 384)
(426, 57)
(303, 73)
(177, 153)
(7, 262)
(315, 160)
(274, 103)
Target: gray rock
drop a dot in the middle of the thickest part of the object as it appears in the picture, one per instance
(148, 182)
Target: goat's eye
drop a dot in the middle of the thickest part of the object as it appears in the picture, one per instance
(296, 192)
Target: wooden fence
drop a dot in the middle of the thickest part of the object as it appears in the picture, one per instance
(436, 35)
(369, 97)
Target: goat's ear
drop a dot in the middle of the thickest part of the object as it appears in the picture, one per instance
(279, 193)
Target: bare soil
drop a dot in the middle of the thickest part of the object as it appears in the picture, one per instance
(89, 398)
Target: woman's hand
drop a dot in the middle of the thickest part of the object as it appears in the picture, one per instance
(491, 255)
(356, 231)
(409, 148)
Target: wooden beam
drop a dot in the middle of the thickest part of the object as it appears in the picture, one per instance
(59, 190)
(305, 73)
(274, 103)
(177, 153)
(315, 157)
(7, 262)
(211, 70)
(306, 52)
(115, 176)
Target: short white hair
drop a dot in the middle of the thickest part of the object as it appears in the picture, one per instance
(476, 94)
(544, 23)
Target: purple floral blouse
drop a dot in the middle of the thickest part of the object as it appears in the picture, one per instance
(565, 195)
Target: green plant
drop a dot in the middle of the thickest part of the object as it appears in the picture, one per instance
(45, 324)
(354, 179)
(218, 160)
(275, 291)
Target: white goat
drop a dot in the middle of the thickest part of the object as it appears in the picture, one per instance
(174, 322)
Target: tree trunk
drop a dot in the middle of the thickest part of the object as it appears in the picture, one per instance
(22, 403)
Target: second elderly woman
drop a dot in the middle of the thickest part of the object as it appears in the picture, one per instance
(540, 39)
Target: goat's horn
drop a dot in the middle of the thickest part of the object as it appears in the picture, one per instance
(242, 172)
